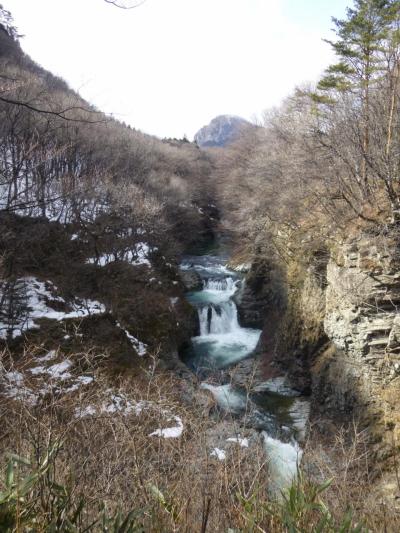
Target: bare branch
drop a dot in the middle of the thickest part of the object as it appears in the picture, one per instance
(124, 4)
(60, 114)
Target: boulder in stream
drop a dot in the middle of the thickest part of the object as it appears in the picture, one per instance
(191, 280)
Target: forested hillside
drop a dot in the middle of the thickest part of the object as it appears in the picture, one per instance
(83, 195)
(94, 218)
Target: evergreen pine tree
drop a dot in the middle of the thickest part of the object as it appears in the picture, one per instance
(363, 39)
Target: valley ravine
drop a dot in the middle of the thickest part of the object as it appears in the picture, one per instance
(272, 408)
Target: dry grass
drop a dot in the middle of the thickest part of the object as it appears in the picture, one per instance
(110, 458)
(345, 455)
(174, 484)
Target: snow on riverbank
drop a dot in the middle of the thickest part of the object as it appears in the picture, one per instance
(137, 256)
(38, 381)
(32, 299)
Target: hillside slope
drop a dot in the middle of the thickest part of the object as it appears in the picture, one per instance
(89, 208)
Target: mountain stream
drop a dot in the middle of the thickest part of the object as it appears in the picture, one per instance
(271, 407)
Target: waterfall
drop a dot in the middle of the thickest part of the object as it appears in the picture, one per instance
(203, 313)
(218, 284)
(218, 319)
(221, 340)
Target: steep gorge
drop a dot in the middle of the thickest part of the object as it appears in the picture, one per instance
(331, 328)
(111, 309)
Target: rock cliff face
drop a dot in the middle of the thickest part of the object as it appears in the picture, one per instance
(221, 131)
(261, 290)
(362, 319)
(288, 304)
(337, 334)
(191, 280)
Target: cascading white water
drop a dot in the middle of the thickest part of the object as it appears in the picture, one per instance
(221, 340)
(224, 284)
(218, 319)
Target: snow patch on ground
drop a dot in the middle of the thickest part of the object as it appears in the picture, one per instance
(83, 412)
(136, 256)
(81, 380)
(14, 377)
(57, 371)
(42, 380)
(13, 384)
(140, 347)
(243, 442)
(218, 453)
(112, 404)
(170, 433)
(119, 403)
(52, 354)
(35, 298)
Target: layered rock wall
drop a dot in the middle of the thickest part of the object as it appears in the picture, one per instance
(336, 333)
(361, 372)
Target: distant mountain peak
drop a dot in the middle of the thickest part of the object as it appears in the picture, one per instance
(221, 131)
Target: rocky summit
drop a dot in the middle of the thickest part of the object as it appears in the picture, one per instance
(221, 131)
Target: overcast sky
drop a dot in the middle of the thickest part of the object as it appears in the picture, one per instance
(169, 66)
